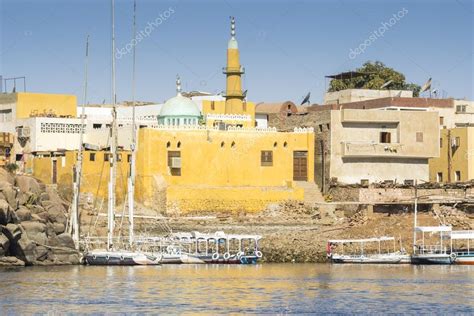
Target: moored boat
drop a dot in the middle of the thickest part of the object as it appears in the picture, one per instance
(362, 256)
(463, 255)
(432, 254)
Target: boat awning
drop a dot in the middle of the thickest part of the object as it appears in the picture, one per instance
(462, 234)
(433, 229)
(346, 241)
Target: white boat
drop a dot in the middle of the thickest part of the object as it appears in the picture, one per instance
(362, 256)
(463, 255)
(117, 252)
(438, 253)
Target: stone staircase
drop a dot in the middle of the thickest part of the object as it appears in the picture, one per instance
(312, 194)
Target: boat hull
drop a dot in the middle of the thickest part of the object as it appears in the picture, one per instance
(465, 259)
(431, 259)
(393, 258)
(111, 258)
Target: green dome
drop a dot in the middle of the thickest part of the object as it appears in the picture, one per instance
(179, 106)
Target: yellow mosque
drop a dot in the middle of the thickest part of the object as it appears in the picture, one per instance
(193, 161)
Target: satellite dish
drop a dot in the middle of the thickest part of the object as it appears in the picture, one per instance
(386, 84)
(306, 98)
(245, 94)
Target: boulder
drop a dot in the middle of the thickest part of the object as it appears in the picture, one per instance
(65, 240)
(42, 253)
(56, 213)
(24, 250)
(36, 209)
(28, 184)
(50, 230)
(32, 227)
(10, 193)
(5, 213)
(4, 244)
(23, 214)
(36, 218)
(11, 261)
(38, 238)
(59, 228)
(6, 176)
(44, 216)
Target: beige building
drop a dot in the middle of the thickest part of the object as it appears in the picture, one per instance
(358, 144)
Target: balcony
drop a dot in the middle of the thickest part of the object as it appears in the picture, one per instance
(233, 94)
(233, 70)
(365, 149)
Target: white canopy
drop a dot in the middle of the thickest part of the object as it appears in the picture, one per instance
(346, 241)
(433, 229)
(462, 234)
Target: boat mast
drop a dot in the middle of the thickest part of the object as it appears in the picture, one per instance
(75, 218)
(415, 216)
(113, 147)
(131, 178)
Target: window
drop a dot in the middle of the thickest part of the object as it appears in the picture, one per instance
(129, 158)
(174, 162)
(457, 176)
(439, 177)
(266, 158)
(106, 156)
(275, 144)
(385, 137)
(441, 120)
(92, 156)
(320, 127)
(96, 125)
(457, 142)
(285, 144)
(461, 108)
(440, 143)
(328, 126)
(119, 157)
(212, 106)
(419, 137)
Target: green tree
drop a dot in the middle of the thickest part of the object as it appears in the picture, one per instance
(376, 75)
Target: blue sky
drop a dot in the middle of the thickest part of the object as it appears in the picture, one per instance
(286, 46)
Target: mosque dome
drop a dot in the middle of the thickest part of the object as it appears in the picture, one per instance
(180, 106)
(179, 110)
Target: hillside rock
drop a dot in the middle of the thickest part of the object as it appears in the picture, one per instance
(33, 221)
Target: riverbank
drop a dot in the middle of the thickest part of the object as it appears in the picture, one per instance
(33, 222)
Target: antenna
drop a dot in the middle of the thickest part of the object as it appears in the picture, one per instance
(386, 84)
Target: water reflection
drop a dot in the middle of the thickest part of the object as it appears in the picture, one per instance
(270, 288)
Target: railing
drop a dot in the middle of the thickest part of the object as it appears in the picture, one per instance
(233, 70)
(432, 249)
(229, 117)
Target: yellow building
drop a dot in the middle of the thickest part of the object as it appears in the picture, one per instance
(21, 105)
(209, 169)
(58, 169)
(456, 161)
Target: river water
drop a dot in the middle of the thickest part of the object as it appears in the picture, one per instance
(215, 289)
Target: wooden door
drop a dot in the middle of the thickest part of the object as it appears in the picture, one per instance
(55, 172)
(300, 165)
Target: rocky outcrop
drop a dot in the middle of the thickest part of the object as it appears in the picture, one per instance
(33, 221)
